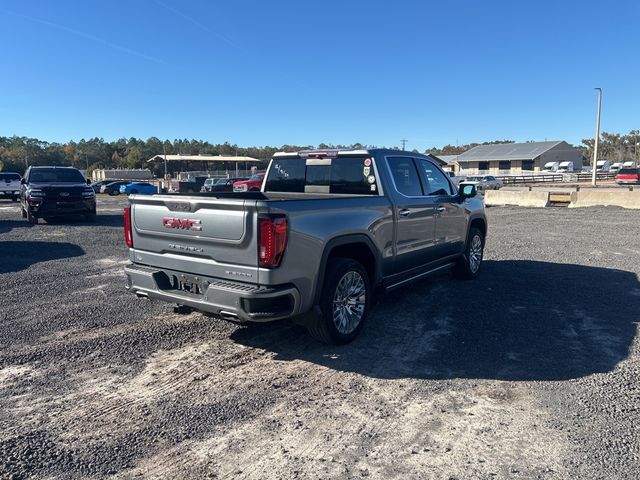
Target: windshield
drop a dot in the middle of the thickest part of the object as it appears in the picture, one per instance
(220, 181)
(65, 175)
(9, 176)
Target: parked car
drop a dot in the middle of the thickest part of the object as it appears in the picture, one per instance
(550, 167)
(47, 192)
(253, 184)
(565, 167)
(10, 185)
(628, 176)
(485, 182)
(143, 188)
(616, 167)
(456, 179)
(98, 185)
(113, 188)
(225, 184)
(330, 231)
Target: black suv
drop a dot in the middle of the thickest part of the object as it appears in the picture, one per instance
(48, 192)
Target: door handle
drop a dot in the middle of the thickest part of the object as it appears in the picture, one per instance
(405, 212)
(440, 209)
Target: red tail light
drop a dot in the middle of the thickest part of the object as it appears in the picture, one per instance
(128, 235)
(272, 241)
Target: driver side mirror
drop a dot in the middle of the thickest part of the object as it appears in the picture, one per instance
(467, 190)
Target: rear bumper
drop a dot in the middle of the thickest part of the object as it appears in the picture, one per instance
(233, 300)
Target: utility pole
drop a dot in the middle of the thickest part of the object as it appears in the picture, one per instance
(594, 165)
(404, 143)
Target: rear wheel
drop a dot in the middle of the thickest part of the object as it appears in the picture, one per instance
(344, 302)
(469, 264)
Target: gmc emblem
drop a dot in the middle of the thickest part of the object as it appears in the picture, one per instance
(182, 223)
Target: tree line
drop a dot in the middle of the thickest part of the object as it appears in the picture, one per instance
(17, 153)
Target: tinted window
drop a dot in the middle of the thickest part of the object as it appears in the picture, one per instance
(352, 176)
(69, 175)
(344, 175)
(9, 176)
(628, 171)
(405, 176)
(286, 175)
(436, 180)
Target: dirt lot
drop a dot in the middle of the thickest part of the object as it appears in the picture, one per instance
(530, 371)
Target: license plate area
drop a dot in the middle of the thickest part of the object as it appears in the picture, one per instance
(190, 284)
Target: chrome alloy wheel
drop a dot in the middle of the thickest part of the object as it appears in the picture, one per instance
(349, 302)
(475, 253)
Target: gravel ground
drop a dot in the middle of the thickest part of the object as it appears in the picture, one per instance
(530, 371)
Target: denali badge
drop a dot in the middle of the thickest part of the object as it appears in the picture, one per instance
(182, 223)
(186, 248)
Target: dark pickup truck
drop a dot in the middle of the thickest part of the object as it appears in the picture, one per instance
(48, 192)
(329, 230)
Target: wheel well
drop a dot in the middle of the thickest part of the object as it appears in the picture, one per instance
(360, 252)
(480, 225)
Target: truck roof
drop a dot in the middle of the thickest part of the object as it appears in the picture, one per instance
(334, 152)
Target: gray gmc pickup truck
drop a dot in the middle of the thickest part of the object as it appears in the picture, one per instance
(328, 231)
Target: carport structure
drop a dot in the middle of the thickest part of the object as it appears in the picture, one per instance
(206, 159)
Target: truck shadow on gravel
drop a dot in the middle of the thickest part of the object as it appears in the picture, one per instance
(17, 256)
(8, 225)
(102, 220)
(520, 320)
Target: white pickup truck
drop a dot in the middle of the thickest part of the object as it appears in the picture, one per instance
(10, 185)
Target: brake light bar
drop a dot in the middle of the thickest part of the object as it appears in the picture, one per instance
(128, 234)
(272, 241)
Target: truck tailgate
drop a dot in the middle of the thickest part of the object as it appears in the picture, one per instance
(206, 236)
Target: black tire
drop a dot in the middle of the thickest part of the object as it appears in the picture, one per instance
(31, 218)
(323, 328)
(466, 267)
(114, 192)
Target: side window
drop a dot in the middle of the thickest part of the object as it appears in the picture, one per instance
(437, 183)
(353, 176)
(405, 176)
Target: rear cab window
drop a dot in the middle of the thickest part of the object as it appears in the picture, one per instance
(347, 175)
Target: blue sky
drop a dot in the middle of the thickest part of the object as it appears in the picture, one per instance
(284, 72)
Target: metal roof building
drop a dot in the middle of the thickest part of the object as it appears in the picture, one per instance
(516, 158)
